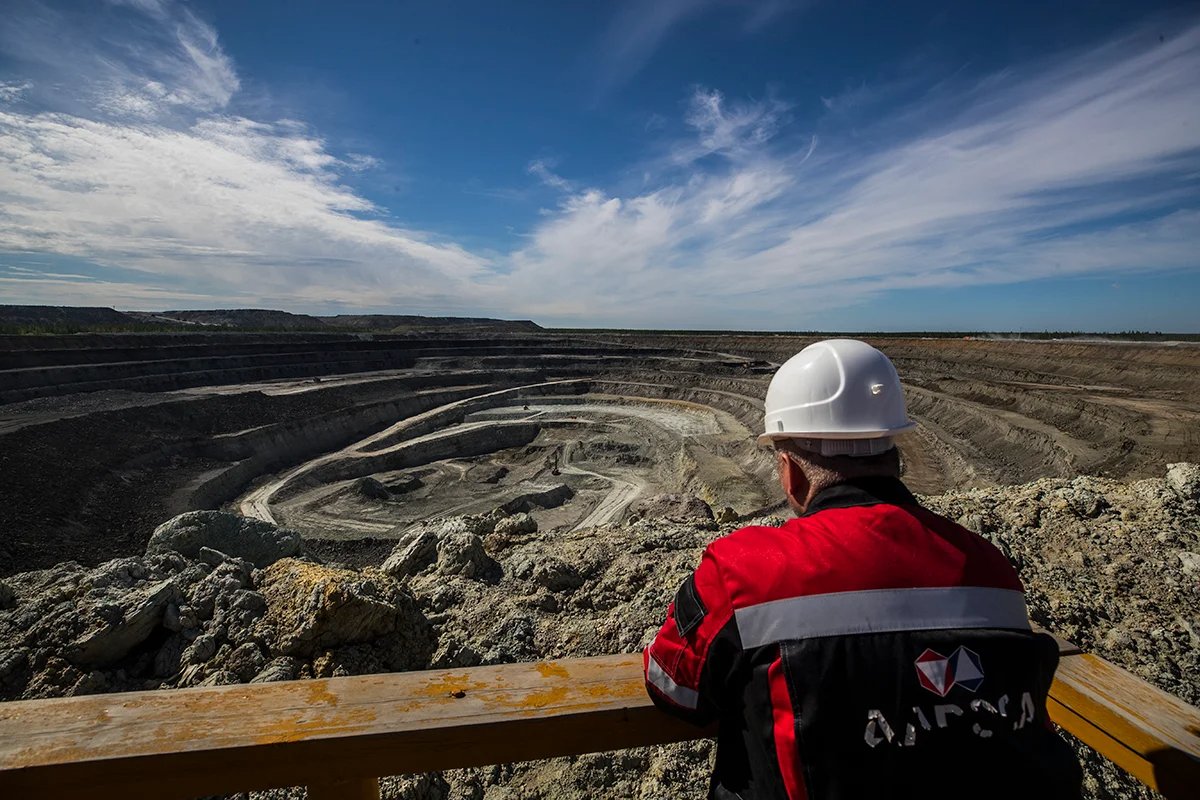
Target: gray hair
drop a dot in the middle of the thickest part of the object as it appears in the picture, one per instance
(824, 471)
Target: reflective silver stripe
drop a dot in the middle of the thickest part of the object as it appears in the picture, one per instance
(881, 611)
(682, 695)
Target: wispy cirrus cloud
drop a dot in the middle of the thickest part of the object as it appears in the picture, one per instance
(639, 27)
(1086, 164)
(143, 164)
(543, 170)
(143, 59)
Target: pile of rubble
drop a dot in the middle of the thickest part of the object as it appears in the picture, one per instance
(190, 614)
(219, 599)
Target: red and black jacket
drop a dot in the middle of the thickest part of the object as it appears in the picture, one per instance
(869, 648)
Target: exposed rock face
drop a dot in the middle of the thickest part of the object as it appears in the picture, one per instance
(450, 546)
(312, 608)
(165, 620)
(516, 525)
(674, 507)
(1184, 480)
(413, 553)
(121, 626)
(260, 543)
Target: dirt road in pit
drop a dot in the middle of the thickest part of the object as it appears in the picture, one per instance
(624, 491)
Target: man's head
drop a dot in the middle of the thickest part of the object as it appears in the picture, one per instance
(831, 412)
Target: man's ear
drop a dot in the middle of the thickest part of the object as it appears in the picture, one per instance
(793, 481)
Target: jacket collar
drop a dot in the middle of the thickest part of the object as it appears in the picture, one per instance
(862, 492)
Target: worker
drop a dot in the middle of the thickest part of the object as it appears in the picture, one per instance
(867, 648)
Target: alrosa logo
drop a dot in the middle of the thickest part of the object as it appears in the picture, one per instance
(939, 674)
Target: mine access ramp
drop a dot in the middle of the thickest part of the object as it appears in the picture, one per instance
(337, 735)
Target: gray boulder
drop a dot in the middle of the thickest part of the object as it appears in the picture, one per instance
(461, 553)
(258, 542)
(199, 651)
(236, 612)
(413, 552)
(311, 608)
(557, 575)
(46, 587)
(281, 668)
(1184, 480)
(229, 577)
(246, 661)
(675, 507)
(121, 623)
(516, 525)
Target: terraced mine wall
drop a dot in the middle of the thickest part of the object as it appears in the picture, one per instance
(264, 450)
(35, 368)
(106, 444)
(484, 499)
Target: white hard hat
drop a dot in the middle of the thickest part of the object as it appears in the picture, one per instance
(837, 397)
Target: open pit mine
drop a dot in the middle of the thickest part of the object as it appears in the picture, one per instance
(188, 509)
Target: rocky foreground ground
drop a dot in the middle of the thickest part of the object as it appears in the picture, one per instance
(218, 599)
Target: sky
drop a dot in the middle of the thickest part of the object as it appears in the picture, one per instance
(696, 164)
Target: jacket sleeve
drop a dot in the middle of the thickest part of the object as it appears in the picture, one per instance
(690, 659)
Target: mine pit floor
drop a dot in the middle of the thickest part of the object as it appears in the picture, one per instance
(593, 457)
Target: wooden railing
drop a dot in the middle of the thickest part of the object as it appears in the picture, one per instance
(336, 736)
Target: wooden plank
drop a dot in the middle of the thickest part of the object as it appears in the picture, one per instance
(1149, 733)
(330, 734)
(191, 742)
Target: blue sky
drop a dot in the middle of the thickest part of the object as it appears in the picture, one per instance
(680, 163)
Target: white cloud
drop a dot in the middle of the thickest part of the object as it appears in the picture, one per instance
(53, 290)
(541, 169)
(735, 130)
(640, 26)
(161, 178)
(242, 203)
(136, 58)
(10, 91)
(1071, 168)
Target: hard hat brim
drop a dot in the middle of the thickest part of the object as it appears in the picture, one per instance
(769, 439)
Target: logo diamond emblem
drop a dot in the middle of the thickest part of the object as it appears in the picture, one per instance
(939, 674)
(968, 670)
(933, 670)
